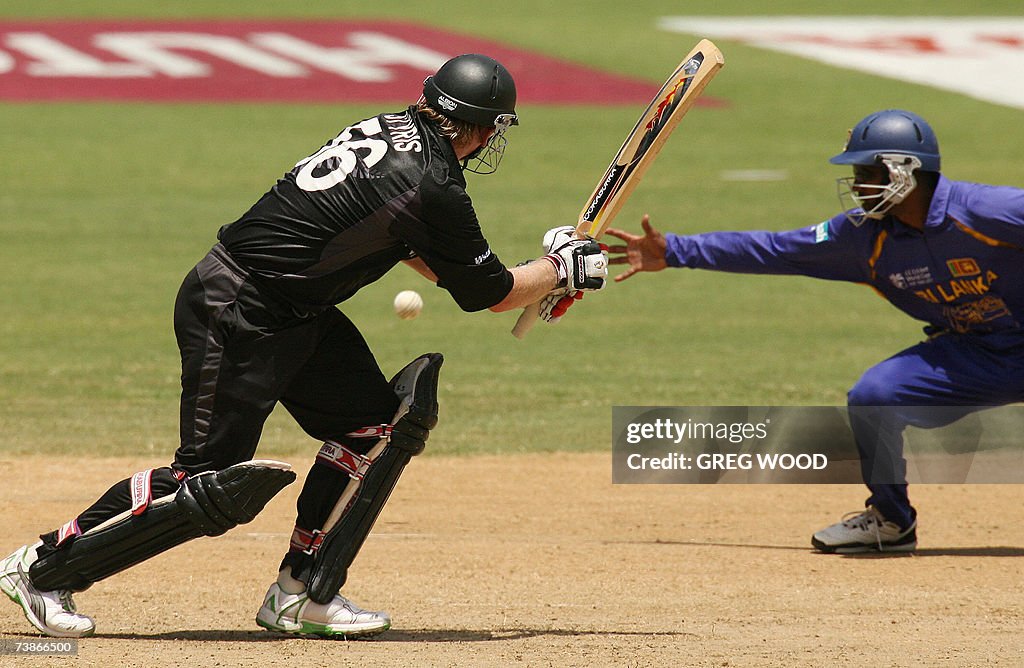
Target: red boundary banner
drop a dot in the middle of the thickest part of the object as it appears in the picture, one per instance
(271, 60)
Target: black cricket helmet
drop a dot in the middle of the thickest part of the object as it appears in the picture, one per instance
(473, 88)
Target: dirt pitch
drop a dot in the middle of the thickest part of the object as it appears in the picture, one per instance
(539, 561)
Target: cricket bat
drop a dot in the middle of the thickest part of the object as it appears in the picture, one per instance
(642, 145)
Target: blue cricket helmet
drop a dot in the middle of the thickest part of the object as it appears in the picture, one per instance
(893, 131)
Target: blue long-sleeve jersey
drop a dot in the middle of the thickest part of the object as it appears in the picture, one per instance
(963, 273)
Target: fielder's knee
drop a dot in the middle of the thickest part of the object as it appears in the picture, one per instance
(873, 389)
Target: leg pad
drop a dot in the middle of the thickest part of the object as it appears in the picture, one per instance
(207, 504)
(416, 385)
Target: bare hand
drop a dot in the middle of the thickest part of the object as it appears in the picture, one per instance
(641, 253)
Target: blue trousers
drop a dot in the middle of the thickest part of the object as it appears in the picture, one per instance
(931, 384)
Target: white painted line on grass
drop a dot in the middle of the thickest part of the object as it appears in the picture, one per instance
(754, 175)
(982, 57)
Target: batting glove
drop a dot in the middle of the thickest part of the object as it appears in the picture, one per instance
(557, 236)
(555, 305)
(581, 264)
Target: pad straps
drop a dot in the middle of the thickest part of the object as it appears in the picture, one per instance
(141, 486)
(338, 456)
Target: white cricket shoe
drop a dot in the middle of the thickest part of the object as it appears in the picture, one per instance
(865, 531)
(296, 613)
(52, 612)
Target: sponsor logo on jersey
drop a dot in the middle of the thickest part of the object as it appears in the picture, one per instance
(480, 259)
(821, 232)
(976, 314)
(447, 104)
(918, 276)
(911, 278)
(964, 266)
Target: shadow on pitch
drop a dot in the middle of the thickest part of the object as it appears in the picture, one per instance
(393, 635)
(449, 635)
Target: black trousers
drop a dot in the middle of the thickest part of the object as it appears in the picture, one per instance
(240, 357)
(242, 353)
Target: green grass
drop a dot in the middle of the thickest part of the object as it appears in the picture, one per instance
(105, 207)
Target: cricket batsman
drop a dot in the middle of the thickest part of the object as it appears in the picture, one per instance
(256, 323)
(948, 253)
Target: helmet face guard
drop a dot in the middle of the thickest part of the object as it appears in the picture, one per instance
(485, 160)
(864, 201)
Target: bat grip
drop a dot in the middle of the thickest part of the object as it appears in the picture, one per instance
(526, 320)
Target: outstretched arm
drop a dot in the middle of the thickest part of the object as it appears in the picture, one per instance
(641, 253)
(831, 250)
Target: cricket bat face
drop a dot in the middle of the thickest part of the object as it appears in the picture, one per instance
(642, 145)
(677, 95)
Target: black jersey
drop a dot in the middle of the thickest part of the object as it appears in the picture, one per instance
(386, 189)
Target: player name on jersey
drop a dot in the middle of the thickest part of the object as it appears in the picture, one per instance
(272, 60)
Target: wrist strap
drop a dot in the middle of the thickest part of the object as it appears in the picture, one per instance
(559, 264)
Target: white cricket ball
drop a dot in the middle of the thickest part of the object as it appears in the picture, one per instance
(408, 304)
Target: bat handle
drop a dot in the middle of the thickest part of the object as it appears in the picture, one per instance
(526, 320)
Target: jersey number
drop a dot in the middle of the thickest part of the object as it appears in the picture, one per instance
(336, 160)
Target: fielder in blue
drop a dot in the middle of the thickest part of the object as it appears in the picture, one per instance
(949, 253)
